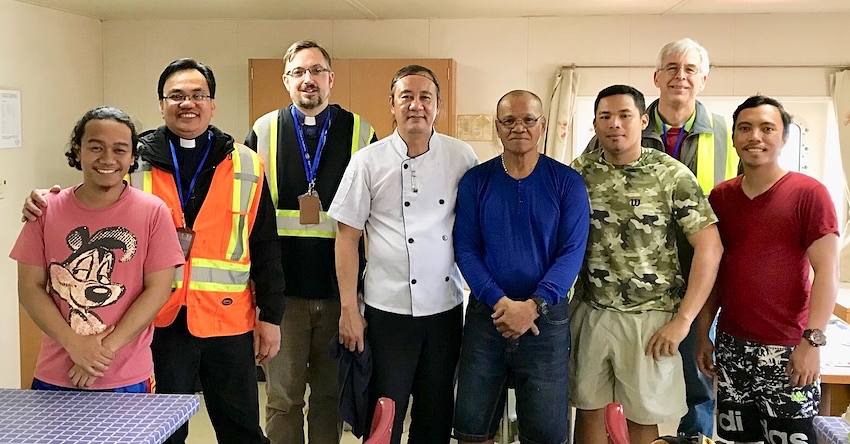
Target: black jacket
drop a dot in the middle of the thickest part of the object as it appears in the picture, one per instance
(354, 369)
(313, 275)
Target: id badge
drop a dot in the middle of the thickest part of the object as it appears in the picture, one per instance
(186, 237)
(309, 207)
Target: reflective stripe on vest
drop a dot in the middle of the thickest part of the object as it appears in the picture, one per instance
(712, 169)
(217, 275)
(232, 273)
(246, 174)
(288, 221)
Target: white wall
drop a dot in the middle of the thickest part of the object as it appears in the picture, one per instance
(55, 60)
(493, 55)
(64, 64)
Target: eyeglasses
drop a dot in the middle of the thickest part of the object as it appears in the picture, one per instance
(673, 70)
(511, 122)
(315, 70)
(178, 98)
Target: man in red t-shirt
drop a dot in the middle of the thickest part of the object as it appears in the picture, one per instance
(774, 225)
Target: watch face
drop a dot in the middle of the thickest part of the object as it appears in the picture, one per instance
(542, 306)
(815, 336)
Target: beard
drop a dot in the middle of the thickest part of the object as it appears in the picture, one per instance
(310, 103)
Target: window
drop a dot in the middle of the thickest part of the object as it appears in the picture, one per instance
(812, 146)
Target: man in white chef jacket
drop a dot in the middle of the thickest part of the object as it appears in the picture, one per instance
(401, 190)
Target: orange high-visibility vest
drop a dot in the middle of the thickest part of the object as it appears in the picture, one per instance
(214, 282)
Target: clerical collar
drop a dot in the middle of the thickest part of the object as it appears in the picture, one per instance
(310, 120)
(188, 144)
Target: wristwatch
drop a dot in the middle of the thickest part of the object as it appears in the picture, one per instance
(815, 336)
(542, 306)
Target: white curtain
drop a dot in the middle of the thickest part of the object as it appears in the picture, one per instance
(560, 121)
(841, 100)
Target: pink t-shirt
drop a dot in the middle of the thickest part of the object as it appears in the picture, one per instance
(95, 261)
(763, 282)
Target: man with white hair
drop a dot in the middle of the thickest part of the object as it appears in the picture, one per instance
(685, 129)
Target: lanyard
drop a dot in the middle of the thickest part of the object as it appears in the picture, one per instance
(185, 197)
(679, 139)
(311, 168)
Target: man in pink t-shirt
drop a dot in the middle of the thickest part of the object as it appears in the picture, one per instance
(94, 270)
(774, 225)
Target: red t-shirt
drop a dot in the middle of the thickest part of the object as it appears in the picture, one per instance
(95, 260)
(763, 283)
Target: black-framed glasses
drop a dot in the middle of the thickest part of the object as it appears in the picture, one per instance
(315, 70)
(511, 122)
(178, 98)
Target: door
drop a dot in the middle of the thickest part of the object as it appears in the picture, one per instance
(360, 85)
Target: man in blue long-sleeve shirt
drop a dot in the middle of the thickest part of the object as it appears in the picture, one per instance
(520, 233)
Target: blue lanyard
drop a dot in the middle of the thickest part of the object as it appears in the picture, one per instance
(311, 168)
(679, 139)
(185, 197)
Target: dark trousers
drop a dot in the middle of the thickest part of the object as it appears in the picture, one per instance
(415, 356)
(225, 366)
(699, 390)
(538, 366)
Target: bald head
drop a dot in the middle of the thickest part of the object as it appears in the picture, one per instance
(520, 121)
(519, 94)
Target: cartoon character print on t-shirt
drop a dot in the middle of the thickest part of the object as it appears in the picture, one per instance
(84, 279)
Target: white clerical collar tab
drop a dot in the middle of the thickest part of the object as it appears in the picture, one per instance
(187, 143)
(310, 120)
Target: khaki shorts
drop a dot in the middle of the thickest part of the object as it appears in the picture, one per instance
(608, 364)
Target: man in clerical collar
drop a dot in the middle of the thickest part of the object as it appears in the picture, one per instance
(227, 301)
(307, 146)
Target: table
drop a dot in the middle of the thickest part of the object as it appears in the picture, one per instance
(835, 369)
(36, 416)
(832, 430)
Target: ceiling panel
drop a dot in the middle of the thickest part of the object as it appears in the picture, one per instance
(403, 9)
(209, 9)
(760, 6)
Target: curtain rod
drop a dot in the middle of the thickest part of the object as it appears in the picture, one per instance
(712, 66)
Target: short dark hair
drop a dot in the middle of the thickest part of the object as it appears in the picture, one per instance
(101, 113)
(616, 90)
(415, 70)
(183, 65)
(759, 100)
(301, 45)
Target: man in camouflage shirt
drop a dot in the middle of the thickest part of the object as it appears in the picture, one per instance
(633, 309)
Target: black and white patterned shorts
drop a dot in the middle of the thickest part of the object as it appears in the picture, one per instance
(755, 399)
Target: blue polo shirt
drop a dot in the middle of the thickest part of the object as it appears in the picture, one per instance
(521, 238)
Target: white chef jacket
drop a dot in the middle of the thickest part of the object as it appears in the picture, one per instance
(407, 208)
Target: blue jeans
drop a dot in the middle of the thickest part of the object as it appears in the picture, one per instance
(699, 390)
(145, 386)
(538, 367)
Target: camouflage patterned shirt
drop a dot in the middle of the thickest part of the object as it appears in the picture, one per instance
(632, 263)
